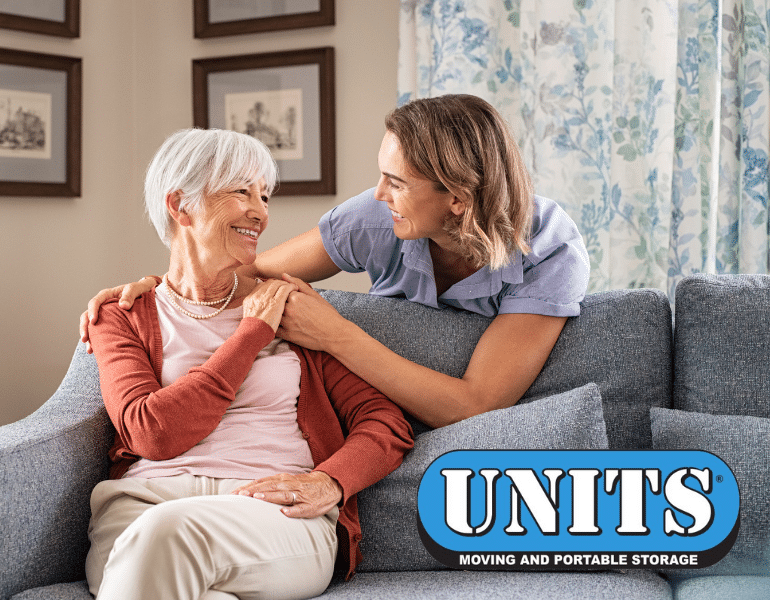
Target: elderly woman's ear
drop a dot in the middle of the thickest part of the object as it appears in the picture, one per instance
(173, 199)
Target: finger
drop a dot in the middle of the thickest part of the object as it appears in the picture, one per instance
(84, 327)
(282, 294)
(98, 300)
(301, 285)
(264, 288)
(283, 497)
(301, 511)
(130, 293)
(271, 483)
(308, 510)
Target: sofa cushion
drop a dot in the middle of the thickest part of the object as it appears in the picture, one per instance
(743, 443)
(723, 587)
(58, 591)
(635, 585)
(622, 341)
(722, 345)
(451, 585)
(388, 509)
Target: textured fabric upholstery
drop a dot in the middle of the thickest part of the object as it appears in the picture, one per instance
(744, 444)
(723, 588)
(443, 585)
(49, 463)
(621, 341)
(388, 509)
(722, 345)
(455, 585)
(59, 591)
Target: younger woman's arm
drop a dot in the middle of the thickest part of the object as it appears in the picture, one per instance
(506, 360)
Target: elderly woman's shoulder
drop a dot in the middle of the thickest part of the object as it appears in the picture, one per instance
(112, 311)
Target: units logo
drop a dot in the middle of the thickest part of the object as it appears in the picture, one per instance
(578, 509)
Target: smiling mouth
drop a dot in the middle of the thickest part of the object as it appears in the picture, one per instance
(395, 214)
(247, 232)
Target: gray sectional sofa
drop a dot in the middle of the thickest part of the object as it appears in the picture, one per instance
(620, 377)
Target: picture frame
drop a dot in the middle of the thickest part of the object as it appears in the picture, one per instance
(285, 99)
(49, 17)
(215, 18)
(41, 101)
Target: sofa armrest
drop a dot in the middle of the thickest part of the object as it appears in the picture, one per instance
(49, 463)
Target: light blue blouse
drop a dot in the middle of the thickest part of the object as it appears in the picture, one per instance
(551, 280)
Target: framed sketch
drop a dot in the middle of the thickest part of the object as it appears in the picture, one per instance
(284, 99)
(40, 124)
(214, 18)
(51, 17)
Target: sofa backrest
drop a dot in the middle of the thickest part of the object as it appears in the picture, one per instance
(722, 345)
(622, 341)
(49, 463)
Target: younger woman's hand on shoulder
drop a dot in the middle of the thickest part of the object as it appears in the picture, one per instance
(127, 294)
(267, 301)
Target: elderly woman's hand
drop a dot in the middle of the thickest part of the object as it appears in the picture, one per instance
(305, 495)
(268, 300)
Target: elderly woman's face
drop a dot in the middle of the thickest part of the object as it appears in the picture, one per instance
(232, 220)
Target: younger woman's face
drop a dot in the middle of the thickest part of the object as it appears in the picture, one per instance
(418, 209)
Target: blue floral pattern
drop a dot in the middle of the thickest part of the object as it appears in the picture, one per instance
(648, 121)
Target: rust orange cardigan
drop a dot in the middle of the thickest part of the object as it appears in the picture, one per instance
(356, 435)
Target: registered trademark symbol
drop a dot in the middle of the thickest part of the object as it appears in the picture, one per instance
(720, 479)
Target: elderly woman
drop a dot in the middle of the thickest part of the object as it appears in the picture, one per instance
(453, 221)
(237, 455)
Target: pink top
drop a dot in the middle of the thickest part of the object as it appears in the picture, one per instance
(258, 434)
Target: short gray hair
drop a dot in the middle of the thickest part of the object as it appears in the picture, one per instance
(199, 162)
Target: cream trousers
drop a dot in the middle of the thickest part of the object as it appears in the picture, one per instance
(188, 538)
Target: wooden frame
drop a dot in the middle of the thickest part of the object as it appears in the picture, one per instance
(69, 27)
(204, 28)
(286, 99)
(40, 152)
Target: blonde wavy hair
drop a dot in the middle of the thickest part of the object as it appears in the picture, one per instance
(464, 146)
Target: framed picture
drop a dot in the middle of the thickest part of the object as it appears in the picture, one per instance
(51, 17)
(284, 99)
(214, 18)
(40, 124)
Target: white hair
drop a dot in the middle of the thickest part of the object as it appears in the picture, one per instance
(199, 162)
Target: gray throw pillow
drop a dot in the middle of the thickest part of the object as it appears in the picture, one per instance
(743, 443)
(572, 420)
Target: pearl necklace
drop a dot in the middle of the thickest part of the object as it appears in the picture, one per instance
(173, 296)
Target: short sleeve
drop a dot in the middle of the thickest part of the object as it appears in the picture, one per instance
(347, 231)
(556, 270)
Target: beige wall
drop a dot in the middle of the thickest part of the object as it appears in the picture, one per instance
(56, 253)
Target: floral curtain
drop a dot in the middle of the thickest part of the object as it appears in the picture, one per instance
(647, 120)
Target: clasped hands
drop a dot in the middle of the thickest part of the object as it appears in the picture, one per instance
(308, 320)
(305, 317)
